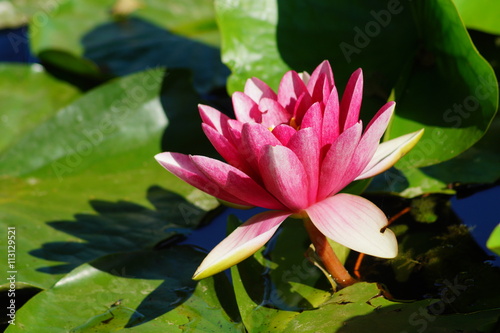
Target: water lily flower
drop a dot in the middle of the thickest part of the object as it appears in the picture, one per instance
(292, 152)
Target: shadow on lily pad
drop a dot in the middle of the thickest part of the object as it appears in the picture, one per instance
(121, 226)
(132, 45)
(135, 272)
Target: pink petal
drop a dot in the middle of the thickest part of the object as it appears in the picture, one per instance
(291, 87)
(330, 126)
(235, 127)
(303, 104)
(321, 76)
(257, 89)
(182, 166)
(371, 137)
(321, 89)
(284, 176)
(214, 118)
(355, 223)
(245, 109)
(389, 152)
(253, 138)
(305, 144)
(313, 119)
(284, 133)
(241, 243)
(226, 149)
(235, 182)
(273, 113)
(351, 100)
(336, 168)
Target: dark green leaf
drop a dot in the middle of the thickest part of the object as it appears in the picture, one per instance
(449, 89)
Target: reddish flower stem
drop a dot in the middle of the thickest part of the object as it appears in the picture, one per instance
(328, 256)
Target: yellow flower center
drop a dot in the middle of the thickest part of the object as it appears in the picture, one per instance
(293, 124)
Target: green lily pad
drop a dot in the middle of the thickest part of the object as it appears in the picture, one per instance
(116, 38)
(353, 309)
(477, 165)
(93, 155)
(448, 79)
(35, 97)
(480, 14)
(120, 226)
(143, 291)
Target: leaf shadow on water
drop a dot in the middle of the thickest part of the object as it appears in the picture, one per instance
(120, 226)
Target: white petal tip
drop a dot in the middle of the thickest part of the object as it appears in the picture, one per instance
(163, 157)
(243, 242)
(385, 245)
(389, 152)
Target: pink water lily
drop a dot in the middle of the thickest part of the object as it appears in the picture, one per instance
(292, 152)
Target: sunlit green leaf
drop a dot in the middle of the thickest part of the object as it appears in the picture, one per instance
(35, 97)
(480, 14)
(494, 241)
(88, 168)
